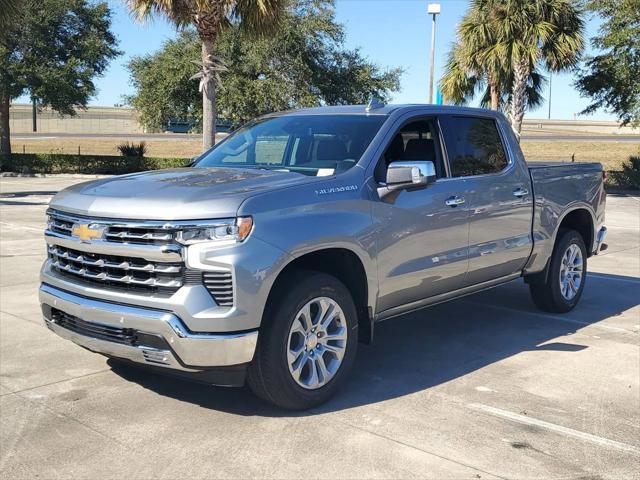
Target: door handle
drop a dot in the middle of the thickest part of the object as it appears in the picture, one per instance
(520, 192)
(454, 201)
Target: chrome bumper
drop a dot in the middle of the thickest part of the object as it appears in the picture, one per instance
(600, 245)
(186, 351)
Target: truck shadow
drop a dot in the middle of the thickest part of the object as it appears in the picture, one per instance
(436, 345)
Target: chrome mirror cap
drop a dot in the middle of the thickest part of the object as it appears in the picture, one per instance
(408, 174)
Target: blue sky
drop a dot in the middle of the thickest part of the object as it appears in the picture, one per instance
(389, 32)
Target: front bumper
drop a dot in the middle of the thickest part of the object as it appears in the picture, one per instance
(141, 335)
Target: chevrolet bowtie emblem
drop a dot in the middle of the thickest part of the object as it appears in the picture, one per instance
(87, 232)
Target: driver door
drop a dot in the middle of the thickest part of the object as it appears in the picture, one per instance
(422, 235)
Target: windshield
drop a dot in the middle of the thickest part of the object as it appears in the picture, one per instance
(309, 144)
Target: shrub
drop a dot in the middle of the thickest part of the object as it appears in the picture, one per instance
(629, 176)
(89, 164)
(132, 150)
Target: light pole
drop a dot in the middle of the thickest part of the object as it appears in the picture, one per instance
(549, 95)
(433, 9)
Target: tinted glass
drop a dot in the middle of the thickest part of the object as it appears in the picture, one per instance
(310, 144)
(416, 141)
(475, 147)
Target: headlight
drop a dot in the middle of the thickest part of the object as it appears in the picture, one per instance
(227, 232)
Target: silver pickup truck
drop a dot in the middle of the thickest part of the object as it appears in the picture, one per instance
(278, 251)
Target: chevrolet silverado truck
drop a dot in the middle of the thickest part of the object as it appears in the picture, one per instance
(277, 251)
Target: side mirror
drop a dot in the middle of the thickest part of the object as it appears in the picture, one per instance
(410, 175)
(193, 161)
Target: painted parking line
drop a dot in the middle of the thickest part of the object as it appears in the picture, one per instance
(569, 432)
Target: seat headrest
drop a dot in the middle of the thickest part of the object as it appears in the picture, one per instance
(420, 149)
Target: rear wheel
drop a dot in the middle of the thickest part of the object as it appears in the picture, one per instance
(562, 289)
(307, 343)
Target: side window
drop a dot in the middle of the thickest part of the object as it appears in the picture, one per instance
(415, 141)
(474, 147)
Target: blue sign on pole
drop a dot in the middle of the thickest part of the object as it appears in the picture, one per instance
(438, 97)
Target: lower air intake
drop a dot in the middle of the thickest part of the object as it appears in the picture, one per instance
(220, 286)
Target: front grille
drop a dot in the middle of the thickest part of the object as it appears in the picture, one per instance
(220, 286)
(115, 232)
(117, 271)
(130, 274)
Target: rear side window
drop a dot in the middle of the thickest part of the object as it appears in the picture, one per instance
(474, 147)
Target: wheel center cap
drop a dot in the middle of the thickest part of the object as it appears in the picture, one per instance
(312, 341)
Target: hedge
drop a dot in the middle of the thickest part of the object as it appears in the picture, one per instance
(629, 176)
(89, 164)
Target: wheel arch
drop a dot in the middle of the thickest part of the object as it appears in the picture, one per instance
(348, 267)
(580, 218)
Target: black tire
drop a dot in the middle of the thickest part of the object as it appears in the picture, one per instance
(547, 294)
(269, 376)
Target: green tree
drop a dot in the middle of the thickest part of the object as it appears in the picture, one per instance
(506, 40)
(612, 78)
(473, 64)
(163, 82)
(303, 64)
(527, 33)
(8, 9)
(53, 53)
(210, 19)
(465, 78)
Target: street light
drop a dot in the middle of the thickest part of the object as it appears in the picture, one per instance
(433, 9)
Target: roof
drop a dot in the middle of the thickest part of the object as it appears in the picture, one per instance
(384, 110)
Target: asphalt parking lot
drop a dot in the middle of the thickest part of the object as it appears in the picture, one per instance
(483, 387)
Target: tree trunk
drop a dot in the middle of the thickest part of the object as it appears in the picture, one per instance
(5, 139)
(518, 94)
(209, 107)
(494, 90)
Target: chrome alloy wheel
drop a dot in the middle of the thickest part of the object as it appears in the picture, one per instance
(571, 271)
(317, 343)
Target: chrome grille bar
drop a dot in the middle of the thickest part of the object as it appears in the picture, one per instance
(93, 261)
(153, 233)
(131, 236)
(116, 270)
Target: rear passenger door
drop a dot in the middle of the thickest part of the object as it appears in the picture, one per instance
(497, 196)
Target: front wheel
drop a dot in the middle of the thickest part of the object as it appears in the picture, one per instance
(307, 343)
(562, 289)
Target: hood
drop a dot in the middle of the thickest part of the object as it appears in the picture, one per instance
(175, 194)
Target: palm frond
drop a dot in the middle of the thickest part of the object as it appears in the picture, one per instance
(8, 11)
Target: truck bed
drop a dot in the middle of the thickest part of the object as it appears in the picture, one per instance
(559, 188)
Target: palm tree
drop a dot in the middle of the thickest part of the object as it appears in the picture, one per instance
(8, 8)
(470, 64)
(210, 18)
(464, 80)
(528, 33)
